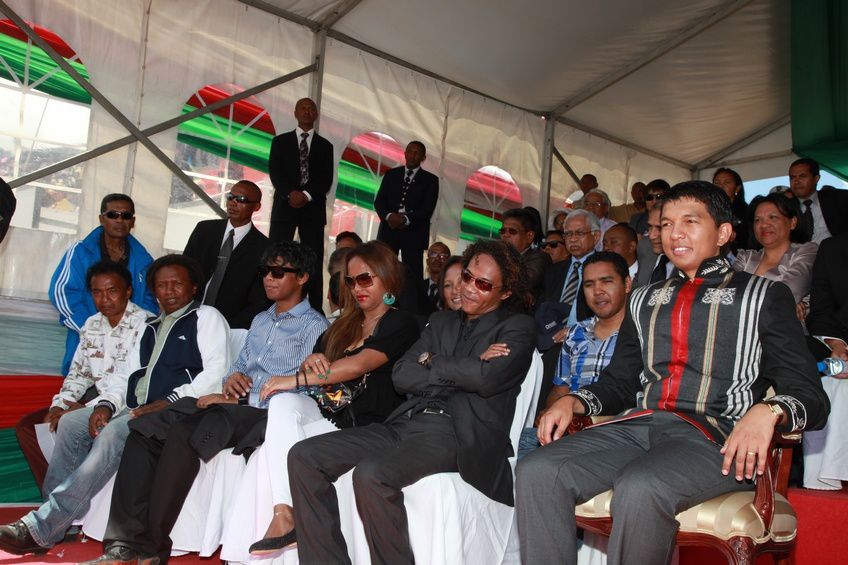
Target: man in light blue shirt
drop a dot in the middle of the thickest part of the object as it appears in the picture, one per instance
(163, 452)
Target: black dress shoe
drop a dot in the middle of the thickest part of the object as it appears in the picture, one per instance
(118, 555)
(270, 545)
(15, 538)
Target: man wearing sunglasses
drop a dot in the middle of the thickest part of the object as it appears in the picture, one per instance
(405, 203)
(654, 190)
(301, 169)
(228, 252)
(462, 378)
(111, 241)
(554, 246)
(519, 231)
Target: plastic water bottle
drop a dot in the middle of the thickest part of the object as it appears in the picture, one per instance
(832, 366)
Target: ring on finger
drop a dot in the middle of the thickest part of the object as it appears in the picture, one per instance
(752, 452)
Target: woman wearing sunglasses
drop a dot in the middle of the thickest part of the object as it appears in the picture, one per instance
(449, 281)
(359, 349)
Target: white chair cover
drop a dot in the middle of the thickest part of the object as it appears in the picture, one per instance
(825, 450)
(450, 521)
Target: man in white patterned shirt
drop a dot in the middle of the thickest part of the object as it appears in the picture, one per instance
(106, 355)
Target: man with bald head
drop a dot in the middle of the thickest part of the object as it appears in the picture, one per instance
(622, 239)
(229, 252)
(301, 170)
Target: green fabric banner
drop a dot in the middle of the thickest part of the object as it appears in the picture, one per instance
(819, 76)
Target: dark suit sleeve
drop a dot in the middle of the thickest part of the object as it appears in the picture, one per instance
(787, 363)
(408, 376)
(618, 383)
(499, 374)
(380, 201)
(431, 196)
(321, 171)
(196, 242)
(536, 265)
(830, 271)
(276, 167)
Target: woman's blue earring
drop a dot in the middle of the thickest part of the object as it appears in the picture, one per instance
(388, 299)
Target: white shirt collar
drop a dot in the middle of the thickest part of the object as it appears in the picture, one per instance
(239, 235)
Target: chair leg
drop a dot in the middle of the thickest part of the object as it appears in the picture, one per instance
(787, 558)
(742, 551)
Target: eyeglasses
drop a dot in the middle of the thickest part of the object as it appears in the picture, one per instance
(577, 234)
(364, 280)
(551, 244)
(594, 204)
(482, 284)
(114, 215)
(650, 197)
(434, 255)
(510, 231)
(276, 271)
(241, 198)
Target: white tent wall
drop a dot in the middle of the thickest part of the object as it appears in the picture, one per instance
(764, 158)
(616, 167)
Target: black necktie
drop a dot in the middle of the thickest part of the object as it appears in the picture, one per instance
(403, 188)
(304, 159)
(659, 272)
(807, 220)
(220, 269)
(570, 291)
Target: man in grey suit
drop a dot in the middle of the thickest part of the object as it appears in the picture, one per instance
(654, 265)
(463, 376)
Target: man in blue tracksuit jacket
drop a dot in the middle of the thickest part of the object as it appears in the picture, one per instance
(109, 242)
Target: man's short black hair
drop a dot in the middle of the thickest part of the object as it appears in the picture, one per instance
(335, 284)
(295, 254)
(811, 163)
(116, 197)
(631, 233)
(337, 259)
(715, 199)
(524, 216)
(618, 262)
(419, 144)
(658, 184)
(349, 235)
(195, 273)
(108, 268)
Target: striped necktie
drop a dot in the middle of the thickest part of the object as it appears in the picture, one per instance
(304, 159)
(570, 291)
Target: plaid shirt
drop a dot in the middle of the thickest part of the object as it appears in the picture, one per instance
(583, 355)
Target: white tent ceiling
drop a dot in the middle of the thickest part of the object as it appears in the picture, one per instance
(681, 79)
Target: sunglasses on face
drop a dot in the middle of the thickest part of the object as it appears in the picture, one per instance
(276, 271)
(433, 255)
(240, 198)
(114, 215)
(482, 284)
(650, 197)
(510, 231)
(551, 244)
(364, 280)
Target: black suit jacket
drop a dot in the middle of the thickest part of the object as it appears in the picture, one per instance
(242, 295)
(284, 170)
(555, 283)
(536, 263)
(480, 395)
(834, 207)
(7, 207)
(421, 198)
(829, 291)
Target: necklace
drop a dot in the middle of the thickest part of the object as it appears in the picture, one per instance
(374, 321)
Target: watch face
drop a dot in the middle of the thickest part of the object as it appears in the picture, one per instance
(423, 357)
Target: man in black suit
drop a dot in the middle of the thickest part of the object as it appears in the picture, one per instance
(405, 204)
(7, 208)
(437, 256)
(823, 212)
(301, 170)
(463, 376)
(234, 287)
(582, 232)
(828, 318)
(519, 231)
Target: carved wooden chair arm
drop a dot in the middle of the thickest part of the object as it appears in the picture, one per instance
(776, 475)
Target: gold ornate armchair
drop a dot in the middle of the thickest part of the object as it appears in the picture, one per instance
(741, 525)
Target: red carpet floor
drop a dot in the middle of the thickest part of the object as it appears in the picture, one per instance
(78, 550)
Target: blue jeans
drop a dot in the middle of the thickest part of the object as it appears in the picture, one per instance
(79, 468)
(527, 443)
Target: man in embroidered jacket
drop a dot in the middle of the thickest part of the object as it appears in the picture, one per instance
(695, 356)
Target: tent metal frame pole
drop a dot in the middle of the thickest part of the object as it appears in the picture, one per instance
(547, 165)
(722, 12)
(744, 142)
(565, 165)
(282, 13)
(338, 13)
(158, 128)
(110, 108)
(316, 86)
(628, 144)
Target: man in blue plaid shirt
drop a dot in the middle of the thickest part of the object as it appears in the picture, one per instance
(589, 345)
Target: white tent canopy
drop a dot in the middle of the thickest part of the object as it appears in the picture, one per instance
(624, 90)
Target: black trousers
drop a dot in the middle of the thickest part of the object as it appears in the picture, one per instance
(311, 232)
(386, 457)
(155, 476)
